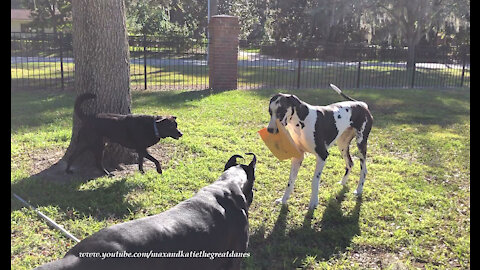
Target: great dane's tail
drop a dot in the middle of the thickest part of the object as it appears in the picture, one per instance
(78, 104)
(341, 93)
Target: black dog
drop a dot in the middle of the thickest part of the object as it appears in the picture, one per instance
(137, 132)
(202, 229)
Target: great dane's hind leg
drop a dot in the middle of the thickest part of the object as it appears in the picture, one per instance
(362, 138)
(343, 143)
(363, 168)
(316, 183)
(296, 163)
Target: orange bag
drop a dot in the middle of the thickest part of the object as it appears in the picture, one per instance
(280, 144)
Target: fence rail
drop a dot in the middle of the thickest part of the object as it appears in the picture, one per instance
(46, 61)
(316, 66)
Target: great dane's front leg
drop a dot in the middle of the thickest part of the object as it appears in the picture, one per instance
(316, 183)
(296, 163)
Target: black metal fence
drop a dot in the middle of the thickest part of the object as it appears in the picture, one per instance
(350, 66)
(166, 65)
(40, 60)
(46, 61)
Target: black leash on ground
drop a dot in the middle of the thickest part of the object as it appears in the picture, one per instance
(49, 220)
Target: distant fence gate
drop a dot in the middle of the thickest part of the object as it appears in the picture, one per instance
(45, 61)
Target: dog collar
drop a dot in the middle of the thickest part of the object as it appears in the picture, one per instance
(155, 129)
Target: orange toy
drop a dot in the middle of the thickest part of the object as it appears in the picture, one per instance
(280, 144)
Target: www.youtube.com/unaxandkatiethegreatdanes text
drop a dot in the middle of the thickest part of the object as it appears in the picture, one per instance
(152, 254)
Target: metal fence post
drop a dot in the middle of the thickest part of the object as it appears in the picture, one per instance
(298, 71)
(412, 85)
(61, 60)
(145, 60)
(464, 60)
(358, 72)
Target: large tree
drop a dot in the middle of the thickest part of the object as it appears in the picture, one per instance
(413, 19)
(102, 66)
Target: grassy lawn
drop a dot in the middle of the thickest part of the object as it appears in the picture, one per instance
(414, 212)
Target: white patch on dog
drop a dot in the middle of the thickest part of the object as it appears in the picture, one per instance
(342, 117)
(360, 132)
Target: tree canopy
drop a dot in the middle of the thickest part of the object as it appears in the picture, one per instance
(381, 22)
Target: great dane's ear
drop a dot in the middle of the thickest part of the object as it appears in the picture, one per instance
(297, 104)
(293, 100)
(232, 162)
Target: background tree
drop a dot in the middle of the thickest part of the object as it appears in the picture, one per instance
(102, 66)
(153, 18)
(412, 20)
(339, 21)
(55, 14)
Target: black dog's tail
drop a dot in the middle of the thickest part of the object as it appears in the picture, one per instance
(341, 93)
(78, 103)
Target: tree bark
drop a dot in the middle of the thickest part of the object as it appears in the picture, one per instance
(102, 66)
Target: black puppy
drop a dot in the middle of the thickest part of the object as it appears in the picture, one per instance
(133, 131)
(198, 231)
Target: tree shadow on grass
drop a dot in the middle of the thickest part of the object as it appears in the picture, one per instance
(172, 99)
(32, 109)
(283, 249)
(53, 187)
(393, 107)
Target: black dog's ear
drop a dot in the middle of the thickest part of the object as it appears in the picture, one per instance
(232, 162)
(159, 118)
(248, 186)
(254, 160)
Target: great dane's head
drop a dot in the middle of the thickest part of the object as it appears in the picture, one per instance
(249, 170)
(281, 107)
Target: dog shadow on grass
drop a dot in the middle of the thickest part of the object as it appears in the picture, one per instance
(283, 249)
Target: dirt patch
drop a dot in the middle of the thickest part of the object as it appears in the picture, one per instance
(48, 164)
(375, 258)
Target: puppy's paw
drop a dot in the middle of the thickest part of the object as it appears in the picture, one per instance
(280, 201)
(159, 171)
(313, 204)
(357, 192)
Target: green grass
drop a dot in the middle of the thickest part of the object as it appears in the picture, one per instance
(414, 212)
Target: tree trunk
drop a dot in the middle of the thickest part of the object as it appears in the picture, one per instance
(411, 55)
(413, 37)
(101, 54)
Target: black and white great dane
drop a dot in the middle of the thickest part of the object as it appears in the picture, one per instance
(315, 129)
